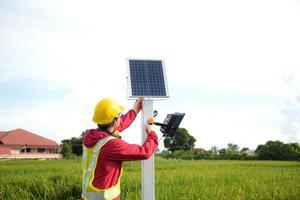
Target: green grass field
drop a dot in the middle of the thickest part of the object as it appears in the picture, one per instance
(174, 179)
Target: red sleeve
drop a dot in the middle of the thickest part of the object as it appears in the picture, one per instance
(126, 120)
(120, 150)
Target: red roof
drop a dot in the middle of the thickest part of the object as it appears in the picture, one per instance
(5, 150)
(2, 134)
(21, 138)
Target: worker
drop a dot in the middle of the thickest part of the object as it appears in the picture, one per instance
(104, 150)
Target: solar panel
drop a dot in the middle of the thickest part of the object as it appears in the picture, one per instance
(147, 79)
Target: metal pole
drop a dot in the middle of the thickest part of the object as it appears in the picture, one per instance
(148, 190)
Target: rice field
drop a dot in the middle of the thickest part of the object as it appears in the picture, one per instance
(174, 179)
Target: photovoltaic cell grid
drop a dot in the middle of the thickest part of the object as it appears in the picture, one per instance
(147, 78)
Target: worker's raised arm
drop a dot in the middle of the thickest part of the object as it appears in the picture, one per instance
(126, 120)
(129, 117)
(122, 151)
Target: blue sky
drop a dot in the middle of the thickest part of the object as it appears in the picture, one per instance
(232, 67)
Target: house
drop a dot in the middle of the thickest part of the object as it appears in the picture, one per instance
(22, 144)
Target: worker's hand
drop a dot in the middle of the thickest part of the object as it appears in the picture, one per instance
(149, 128)
(150, 120)
(138, 105)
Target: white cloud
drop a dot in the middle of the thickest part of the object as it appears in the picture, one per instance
(246, 47)
(290, 108)
(247, 126)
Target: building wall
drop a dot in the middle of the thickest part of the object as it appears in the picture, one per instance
(41, 156)
(35, 153)
(17, 151)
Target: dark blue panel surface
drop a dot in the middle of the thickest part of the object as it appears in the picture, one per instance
(147, 78)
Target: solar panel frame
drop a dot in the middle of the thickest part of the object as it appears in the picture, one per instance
(130, 86)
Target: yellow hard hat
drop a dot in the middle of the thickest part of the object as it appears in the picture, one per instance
(106, 110)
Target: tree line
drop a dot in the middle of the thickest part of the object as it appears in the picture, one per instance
(72, 147)
(182, 146)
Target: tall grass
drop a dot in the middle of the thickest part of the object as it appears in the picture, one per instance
(40, 179)
(174, 179)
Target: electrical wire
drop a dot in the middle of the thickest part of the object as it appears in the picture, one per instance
(160, 138)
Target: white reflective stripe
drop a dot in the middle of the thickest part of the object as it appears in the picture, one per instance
(84, 167)
(89, 171)
(93, 195)
(99, 144)
(111, 193)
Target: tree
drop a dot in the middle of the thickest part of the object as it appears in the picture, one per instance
(244, 153)
(277, 150)
(182, 140)
(222, 153)
(75, 144)
(270, 151)
(213, 153)
(165, 154)
(214, 150)
(245, 150)
(295, 151)
(67, 151)
(232, 151)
